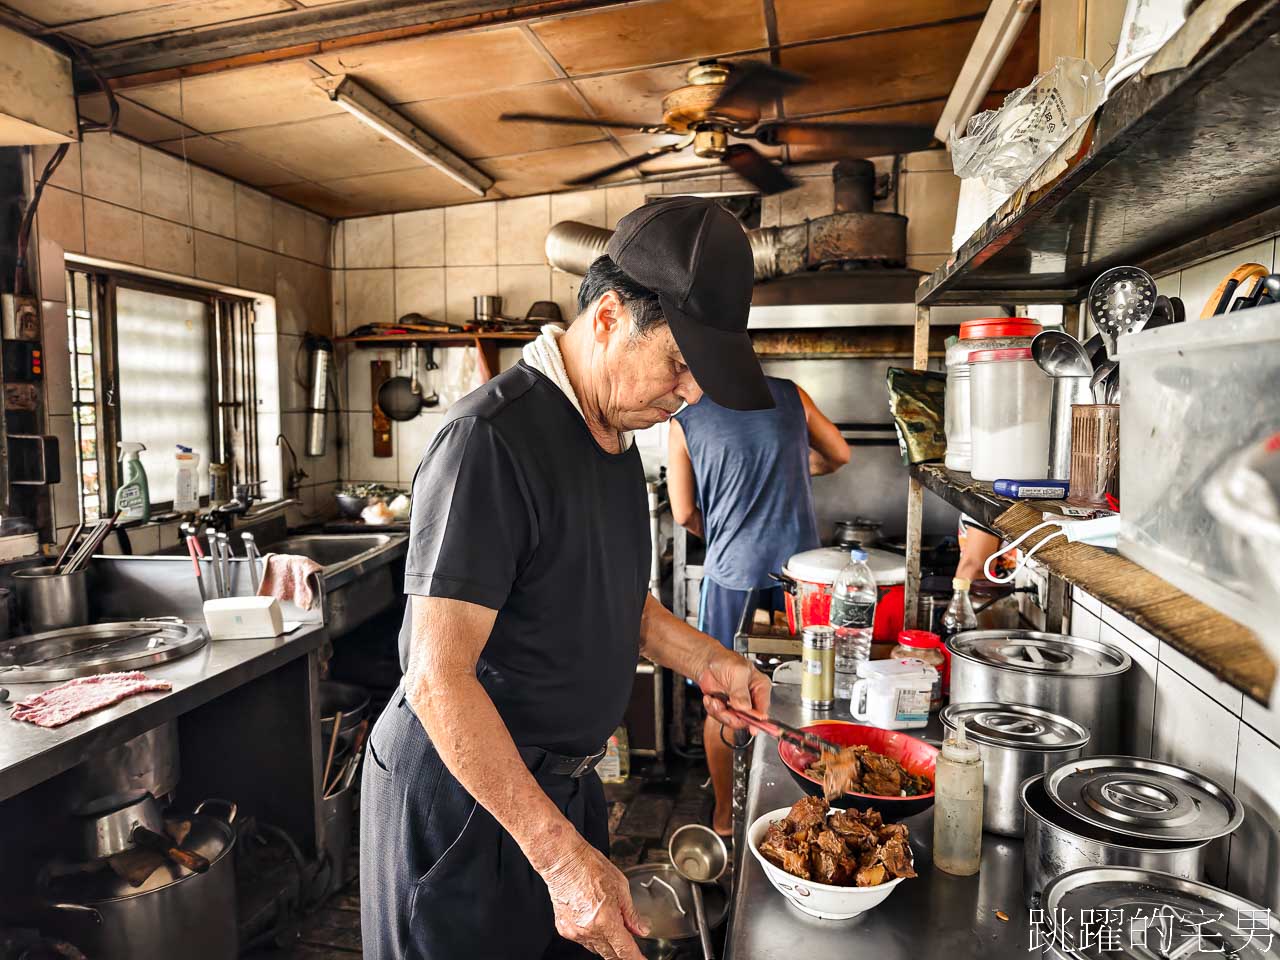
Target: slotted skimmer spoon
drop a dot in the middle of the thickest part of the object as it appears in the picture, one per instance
(1121, 301)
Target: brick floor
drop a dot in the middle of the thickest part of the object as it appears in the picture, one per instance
(643, 812)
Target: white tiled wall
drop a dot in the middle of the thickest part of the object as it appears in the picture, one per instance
(1176, 710)
(140, 207)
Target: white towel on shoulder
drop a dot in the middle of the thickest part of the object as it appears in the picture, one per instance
(543, 354)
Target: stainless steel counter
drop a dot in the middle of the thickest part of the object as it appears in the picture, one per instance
(933, 916)
(30, 755)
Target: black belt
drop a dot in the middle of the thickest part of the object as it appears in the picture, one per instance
(557, 765)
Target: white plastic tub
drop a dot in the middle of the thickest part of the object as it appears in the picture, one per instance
(991, 333)
(1193, 395)
(1009, 406)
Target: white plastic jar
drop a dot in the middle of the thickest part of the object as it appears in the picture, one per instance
(991, 333)
(1009, 404)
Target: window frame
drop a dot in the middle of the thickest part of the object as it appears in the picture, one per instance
(104, 284)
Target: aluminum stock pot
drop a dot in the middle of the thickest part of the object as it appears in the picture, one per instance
(808, 576)
(1016, 742)
(173, 913)
(1069, 676)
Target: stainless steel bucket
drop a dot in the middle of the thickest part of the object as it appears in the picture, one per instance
(1051, 848)
(52, 601)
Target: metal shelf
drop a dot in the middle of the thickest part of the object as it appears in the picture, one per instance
(1178, 167)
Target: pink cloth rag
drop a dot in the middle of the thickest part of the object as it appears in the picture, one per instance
(290, 577)
(75, 698)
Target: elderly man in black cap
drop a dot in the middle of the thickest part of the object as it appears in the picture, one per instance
(483, 825)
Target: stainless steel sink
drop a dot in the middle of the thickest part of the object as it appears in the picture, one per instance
(358, 581)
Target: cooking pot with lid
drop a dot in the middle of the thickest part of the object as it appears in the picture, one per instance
(1075, 678)
(808, 577)
(175, 912)
(859, 531)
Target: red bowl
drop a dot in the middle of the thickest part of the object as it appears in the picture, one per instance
(916, 756)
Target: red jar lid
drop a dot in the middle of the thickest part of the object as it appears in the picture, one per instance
(1005, 355)
(998, 327)
(920, 640)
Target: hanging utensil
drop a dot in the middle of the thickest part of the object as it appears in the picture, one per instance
(699, 855)
(1059, 354)
(1098, 383)
(400, 398)
(1121, 301)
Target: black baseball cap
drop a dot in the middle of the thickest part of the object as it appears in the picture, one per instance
(696, 257)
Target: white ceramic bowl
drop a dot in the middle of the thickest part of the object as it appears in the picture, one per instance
(821, 900)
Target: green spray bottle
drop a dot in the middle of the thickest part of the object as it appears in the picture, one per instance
(133, 499)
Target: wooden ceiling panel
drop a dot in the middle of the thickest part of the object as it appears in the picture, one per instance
(51, 12)
(545, 171)
(413, 189)
(134, 120)
(231, 160)
(636, 96)
(168, 18)
(471, 126)
(809, 20)
(319, 200)
(328, 148)
(623, 37)
(236, 99)
(445, 65)
(878, 69)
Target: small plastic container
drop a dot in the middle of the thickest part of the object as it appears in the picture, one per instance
(926, 646)
(995, 333)
(1009, 403)
(893, 694)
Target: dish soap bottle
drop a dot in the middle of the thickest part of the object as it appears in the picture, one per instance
(186, 494)
(133, 499)
(957, 812)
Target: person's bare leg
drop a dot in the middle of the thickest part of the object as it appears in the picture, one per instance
(720, 763)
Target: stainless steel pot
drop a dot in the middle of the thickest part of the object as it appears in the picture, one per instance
(111, 778)
(1072, 677)
(664, 900)
(174, 913)
(52, 601)
(1054, 843)
(110, 832)
(1016, 742)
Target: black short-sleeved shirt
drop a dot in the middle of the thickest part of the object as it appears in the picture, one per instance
(517, 508)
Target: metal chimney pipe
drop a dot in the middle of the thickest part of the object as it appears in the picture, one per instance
(573, 246)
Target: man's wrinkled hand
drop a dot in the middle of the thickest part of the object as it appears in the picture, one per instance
(592, 903)
(745, 686)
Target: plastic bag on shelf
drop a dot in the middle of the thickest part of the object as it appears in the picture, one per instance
(1004, 147)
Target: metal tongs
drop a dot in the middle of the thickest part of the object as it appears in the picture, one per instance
(809, 742)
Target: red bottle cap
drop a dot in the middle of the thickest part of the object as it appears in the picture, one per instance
(998, 327)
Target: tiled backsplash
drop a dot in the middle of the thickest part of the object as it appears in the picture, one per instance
(1176, 710)
(140, 207)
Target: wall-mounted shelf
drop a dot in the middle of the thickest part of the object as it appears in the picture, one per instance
(486, 344)
(1178, 167)
(1208, 637)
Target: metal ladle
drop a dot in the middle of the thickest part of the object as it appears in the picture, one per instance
(700, 856)
(1059, 354)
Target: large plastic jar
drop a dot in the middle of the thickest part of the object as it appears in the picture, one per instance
(994, 333)
(1009, 404)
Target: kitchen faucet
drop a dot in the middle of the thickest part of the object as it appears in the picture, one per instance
(295, 476)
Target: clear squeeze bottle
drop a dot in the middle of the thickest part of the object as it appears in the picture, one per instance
(957, 811)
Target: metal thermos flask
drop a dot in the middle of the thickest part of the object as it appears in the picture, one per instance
(320, 354)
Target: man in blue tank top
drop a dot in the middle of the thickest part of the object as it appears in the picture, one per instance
(741, 481)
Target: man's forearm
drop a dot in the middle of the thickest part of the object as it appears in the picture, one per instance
(452, 709)
(670, 642)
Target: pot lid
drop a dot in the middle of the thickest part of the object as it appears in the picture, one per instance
(1143, 914)
(97, 648)
(1016, 726)
(1040, 653)
(1143, 798)
(824, 564)
(663, 899)
(209, 836)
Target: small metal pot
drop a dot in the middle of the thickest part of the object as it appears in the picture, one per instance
(174, 913)
(111, 778)
(664, 900)
(111, 832)
(1075, 678)
(52, 601)
(1054, 843)
(1016, 742)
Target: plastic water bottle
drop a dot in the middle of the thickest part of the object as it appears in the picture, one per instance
(853, 614)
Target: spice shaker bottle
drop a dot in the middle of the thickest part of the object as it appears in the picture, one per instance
(818, 666)
(957, 814)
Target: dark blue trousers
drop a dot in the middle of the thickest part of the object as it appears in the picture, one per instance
(440, 879)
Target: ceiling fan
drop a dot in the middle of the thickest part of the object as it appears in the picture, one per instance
(724, 101)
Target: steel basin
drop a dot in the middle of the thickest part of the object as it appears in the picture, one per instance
(348, 559)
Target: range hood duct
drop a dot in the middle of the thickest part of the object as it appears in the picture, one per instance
(573, 246)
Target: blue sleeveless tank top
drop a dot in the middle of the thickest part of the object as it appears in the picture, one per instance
(751, 469)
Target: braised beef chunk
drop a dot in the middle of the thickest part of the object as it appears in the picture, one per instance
(861, 770)
(806, 813)
(844, 848)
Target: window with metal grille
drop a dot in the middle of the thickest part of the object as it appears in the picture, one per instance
(158, 364)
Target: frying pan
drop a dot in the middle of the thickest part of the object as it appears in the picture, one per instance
(401, 398)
